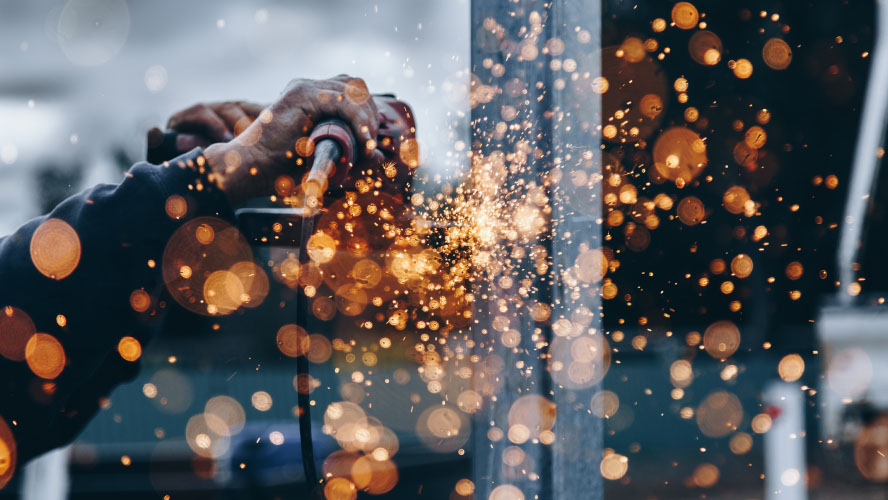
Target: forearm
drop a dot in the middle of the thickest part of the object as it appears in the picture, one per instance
(90, 276)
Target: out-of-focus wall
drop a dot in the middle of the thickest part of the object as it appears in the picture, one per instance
(82, 80)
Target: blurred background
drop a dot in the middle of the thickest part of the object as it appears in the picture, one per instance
(803, 387)
(83, 81)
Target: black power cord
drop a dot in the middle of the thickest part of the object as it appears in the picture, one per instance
(327, 152)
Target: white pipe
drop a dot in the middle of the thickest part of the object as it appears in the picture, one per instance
(46, 477)
(785, 471)
(866, 164)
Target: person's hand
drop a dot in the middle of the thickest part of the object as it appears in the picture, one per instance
(205, 124)
(248, 165)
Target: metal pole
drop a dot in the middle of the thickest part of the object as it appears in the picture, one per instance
(785, 466)
(865, 169)
(542, 119)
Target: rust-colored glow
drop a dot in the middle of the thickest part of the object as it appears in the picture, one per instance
(45, 356)
(356, 91)
(320, 349)
(176, 207)
(679, 154)
(8, 453)
(706, 475)
(254, 282)
(741, 265)
(340, 488)
(16, 328)
(199, 268)
(140, 301)
(721, 339)
(777, 54)
(55, 249)
(409, 153)
(223, 292)
(719, 414)
(305, 146)
(869, 451)
(376, 477)
(293, 341)
(691, 211)
(705, 48)
(321, 248)
(737, 201)
(129, 349)
(464, 487)
(740, 443)
(685, 15)
(742, 68)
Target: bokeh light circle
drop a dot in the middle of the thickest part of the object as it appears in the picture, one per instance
(91, 32)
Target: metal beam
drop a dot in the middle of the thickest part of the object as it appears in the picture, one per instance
(536, 107)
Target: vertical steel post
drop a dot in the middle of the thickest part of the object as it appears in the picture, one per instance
(536, 104)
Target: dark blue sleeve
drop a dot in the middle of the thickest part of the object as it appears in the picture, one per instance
(122, 231)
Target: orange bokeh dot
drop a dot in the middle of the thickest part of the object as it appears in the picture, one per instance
(742, 265)
(721, 338)
(8, 453)
(356, 91)
(55, 249)
(205, 234)
(293, 341)
(16, 328)
(223, 292)
(305, 146)
(320, 349)
(45, 355)
(340, 488)
(409, 153)
(777, 54)
(719, 414)
(339, 464)
(129, 348)
(284, 185)
(196, 265)
(373, 476)
(869, 455)
(140, 301)
(685, 15)
(176, 207)
(679, 153)
(254, 281)
(742, 68)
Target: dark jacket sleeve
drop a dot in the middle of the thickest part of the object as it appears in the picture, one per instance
(122, 231)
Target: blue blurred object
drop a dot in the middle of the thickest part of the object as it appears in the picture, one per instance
(259, 464)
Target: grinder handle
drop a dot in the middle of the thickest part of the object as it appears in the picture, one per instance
(335, 152)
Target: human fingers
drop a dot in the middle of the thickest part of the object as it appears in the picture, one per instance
(200, 118)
